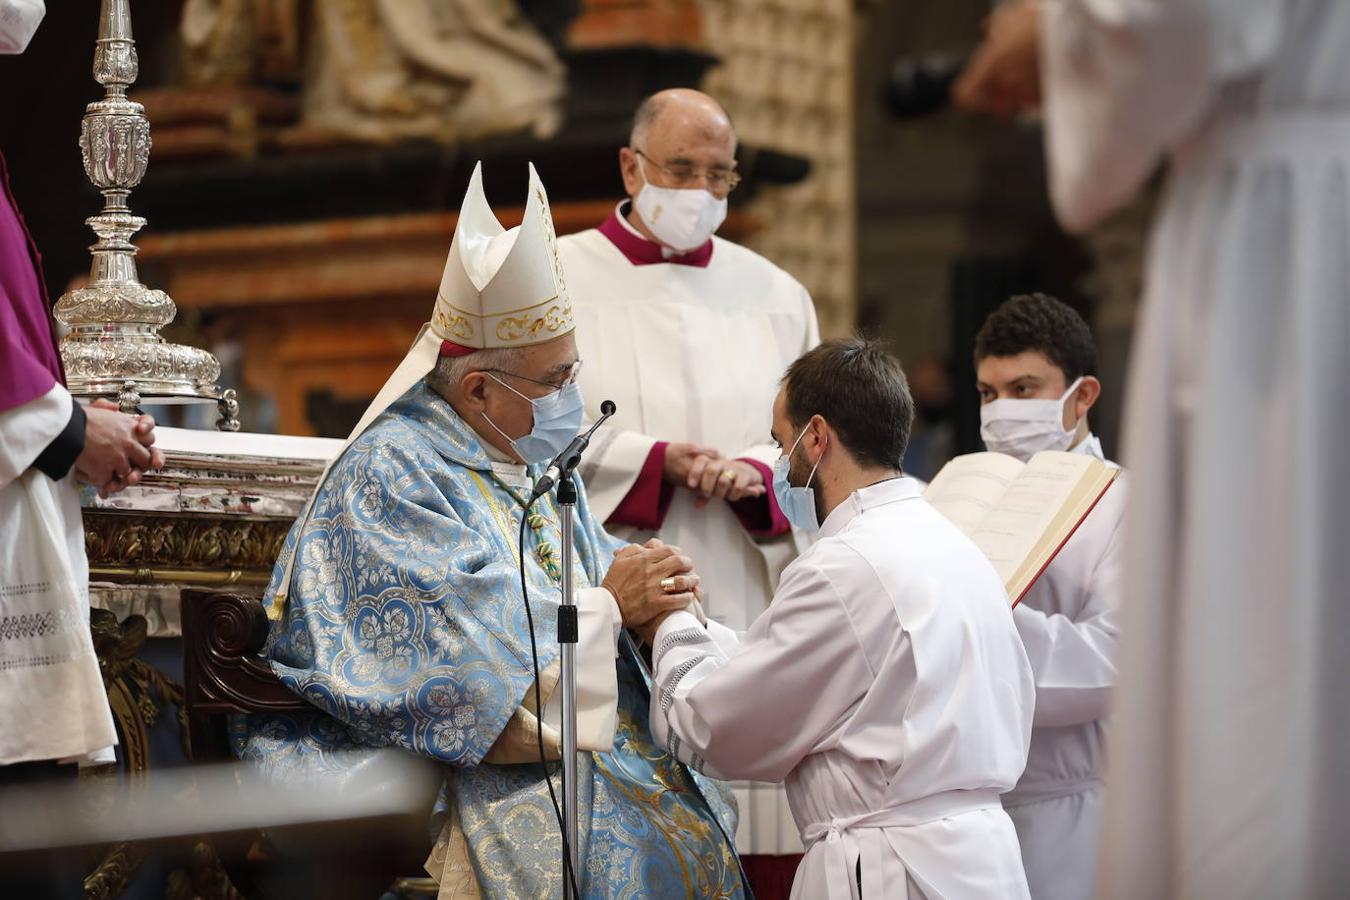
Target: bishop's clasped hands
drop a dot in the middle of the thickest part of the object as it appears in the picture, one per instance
(649, 582)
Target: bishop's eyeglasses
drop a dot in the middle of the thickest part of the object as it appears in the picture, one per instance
(557, 383)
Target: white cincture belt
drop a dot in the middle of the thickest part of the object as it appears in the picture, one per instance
(844, 843)
(1024, 795)
(1300, 133)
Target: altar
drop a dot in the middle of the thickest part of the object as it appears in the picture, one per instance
(215, 516)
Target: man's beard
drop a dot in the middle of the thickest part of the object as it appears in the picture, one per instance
(797, 475)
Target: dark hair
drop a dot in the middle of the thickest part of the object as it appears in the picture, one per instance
(1039, 322)
(860, 389)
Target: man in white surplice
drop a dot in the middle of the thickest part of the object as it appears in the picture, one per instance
(53, 707)
(1036, 370)
(687, 333)
(886, 682)
(1230, 729)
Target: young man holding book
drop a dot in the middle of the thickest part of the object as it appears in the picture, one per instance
(1035, 368)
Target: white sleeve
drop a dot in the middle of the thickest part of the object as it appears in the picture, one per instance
(611, 466)
(683, 654)
(1074, 658)
(1073, 661)
(756, 712)
(1123, 81)
(598, 626)
(727, 638)
(27, 430)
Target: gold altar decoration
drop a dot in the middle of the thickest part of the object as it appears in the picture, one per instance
(139, 694)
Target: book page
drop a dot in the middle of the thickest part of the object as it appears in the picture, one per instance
(1090, 488)
(970, 486)
(1010, 532)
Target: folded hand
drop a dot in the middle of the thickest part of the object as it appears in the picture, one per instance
(118, 448)
(724, 479)
(651, 581)
(681, 457)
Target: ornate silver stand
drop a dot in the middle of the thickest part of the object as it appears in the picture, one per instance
(114, 348)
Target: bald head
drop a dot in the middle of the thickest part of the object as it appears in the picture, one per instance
(682, 110)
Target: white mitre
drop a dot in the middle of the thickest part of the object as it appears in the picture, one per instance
(500, 288)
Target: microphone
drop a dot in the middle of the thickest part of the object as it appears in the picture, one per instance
(565, 462)
(921, 86)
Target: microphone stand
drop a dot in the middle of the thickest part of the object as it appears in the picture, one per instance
(567, 682)
(559, 473)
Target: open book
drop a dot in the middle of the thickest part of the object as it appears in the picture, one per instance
(1020, 514)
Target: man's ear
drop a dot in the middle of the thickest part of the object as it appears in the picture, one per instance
(820, 430)
(1086, 396)
(632, 179)
(473, 391)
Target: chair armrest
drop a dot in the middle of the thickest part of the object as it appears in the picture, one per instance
(223, 633)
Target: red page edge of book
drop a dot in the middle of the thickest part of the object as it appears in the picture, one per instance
(1071, 533)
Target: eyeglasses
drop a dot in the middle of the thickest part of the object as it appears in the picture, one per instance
(557, 384)
(720, 180)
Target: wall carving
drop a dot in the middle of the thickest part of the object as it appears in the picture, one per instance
(382, 70)
(786, 78)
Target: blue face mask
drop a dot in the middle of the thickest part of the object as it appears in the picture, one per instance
(797, 503)
(557, 419)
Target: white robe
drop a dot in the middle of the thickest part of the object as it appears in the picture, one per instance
(1231, 726)
(888, 685)
(1068, 624)
(52, 702)
(692, 354)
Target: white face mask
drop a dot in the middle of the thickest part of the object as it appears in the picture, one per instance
(681, 218)
(1023, 428)
(19, 19)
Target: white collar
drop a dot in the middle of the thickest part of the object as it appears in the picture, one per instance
(504, 467)
(1089, 446)
(512, 474)
(892, 490)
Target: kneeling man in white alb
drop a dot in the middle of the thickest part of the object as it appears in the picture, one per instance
(886, 682)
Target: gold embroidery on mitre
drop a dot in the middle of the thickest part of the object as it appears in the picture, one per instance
(452, 326)
(551, 239)
(557, 320)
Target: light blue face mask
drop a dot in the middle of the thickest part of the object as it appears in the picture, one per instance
(557, 419)
(797, 503)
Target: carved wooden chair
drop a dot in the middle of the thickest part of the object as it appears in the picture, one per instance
(223, 633)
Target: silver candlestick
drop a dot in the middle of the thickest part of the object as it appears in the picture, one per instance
(113, 348)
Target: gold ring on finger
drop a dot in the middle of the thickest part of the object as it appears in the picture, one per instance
(668, 584)
(728, 475)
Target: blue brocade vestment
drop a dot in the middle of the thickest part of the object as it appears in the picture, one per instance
(405, 627)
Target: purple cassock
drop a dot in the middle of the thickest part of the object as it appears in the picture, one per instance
(29, 362)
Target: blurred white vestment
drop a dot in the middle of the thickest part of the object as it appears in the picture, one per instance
(1227, 772)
